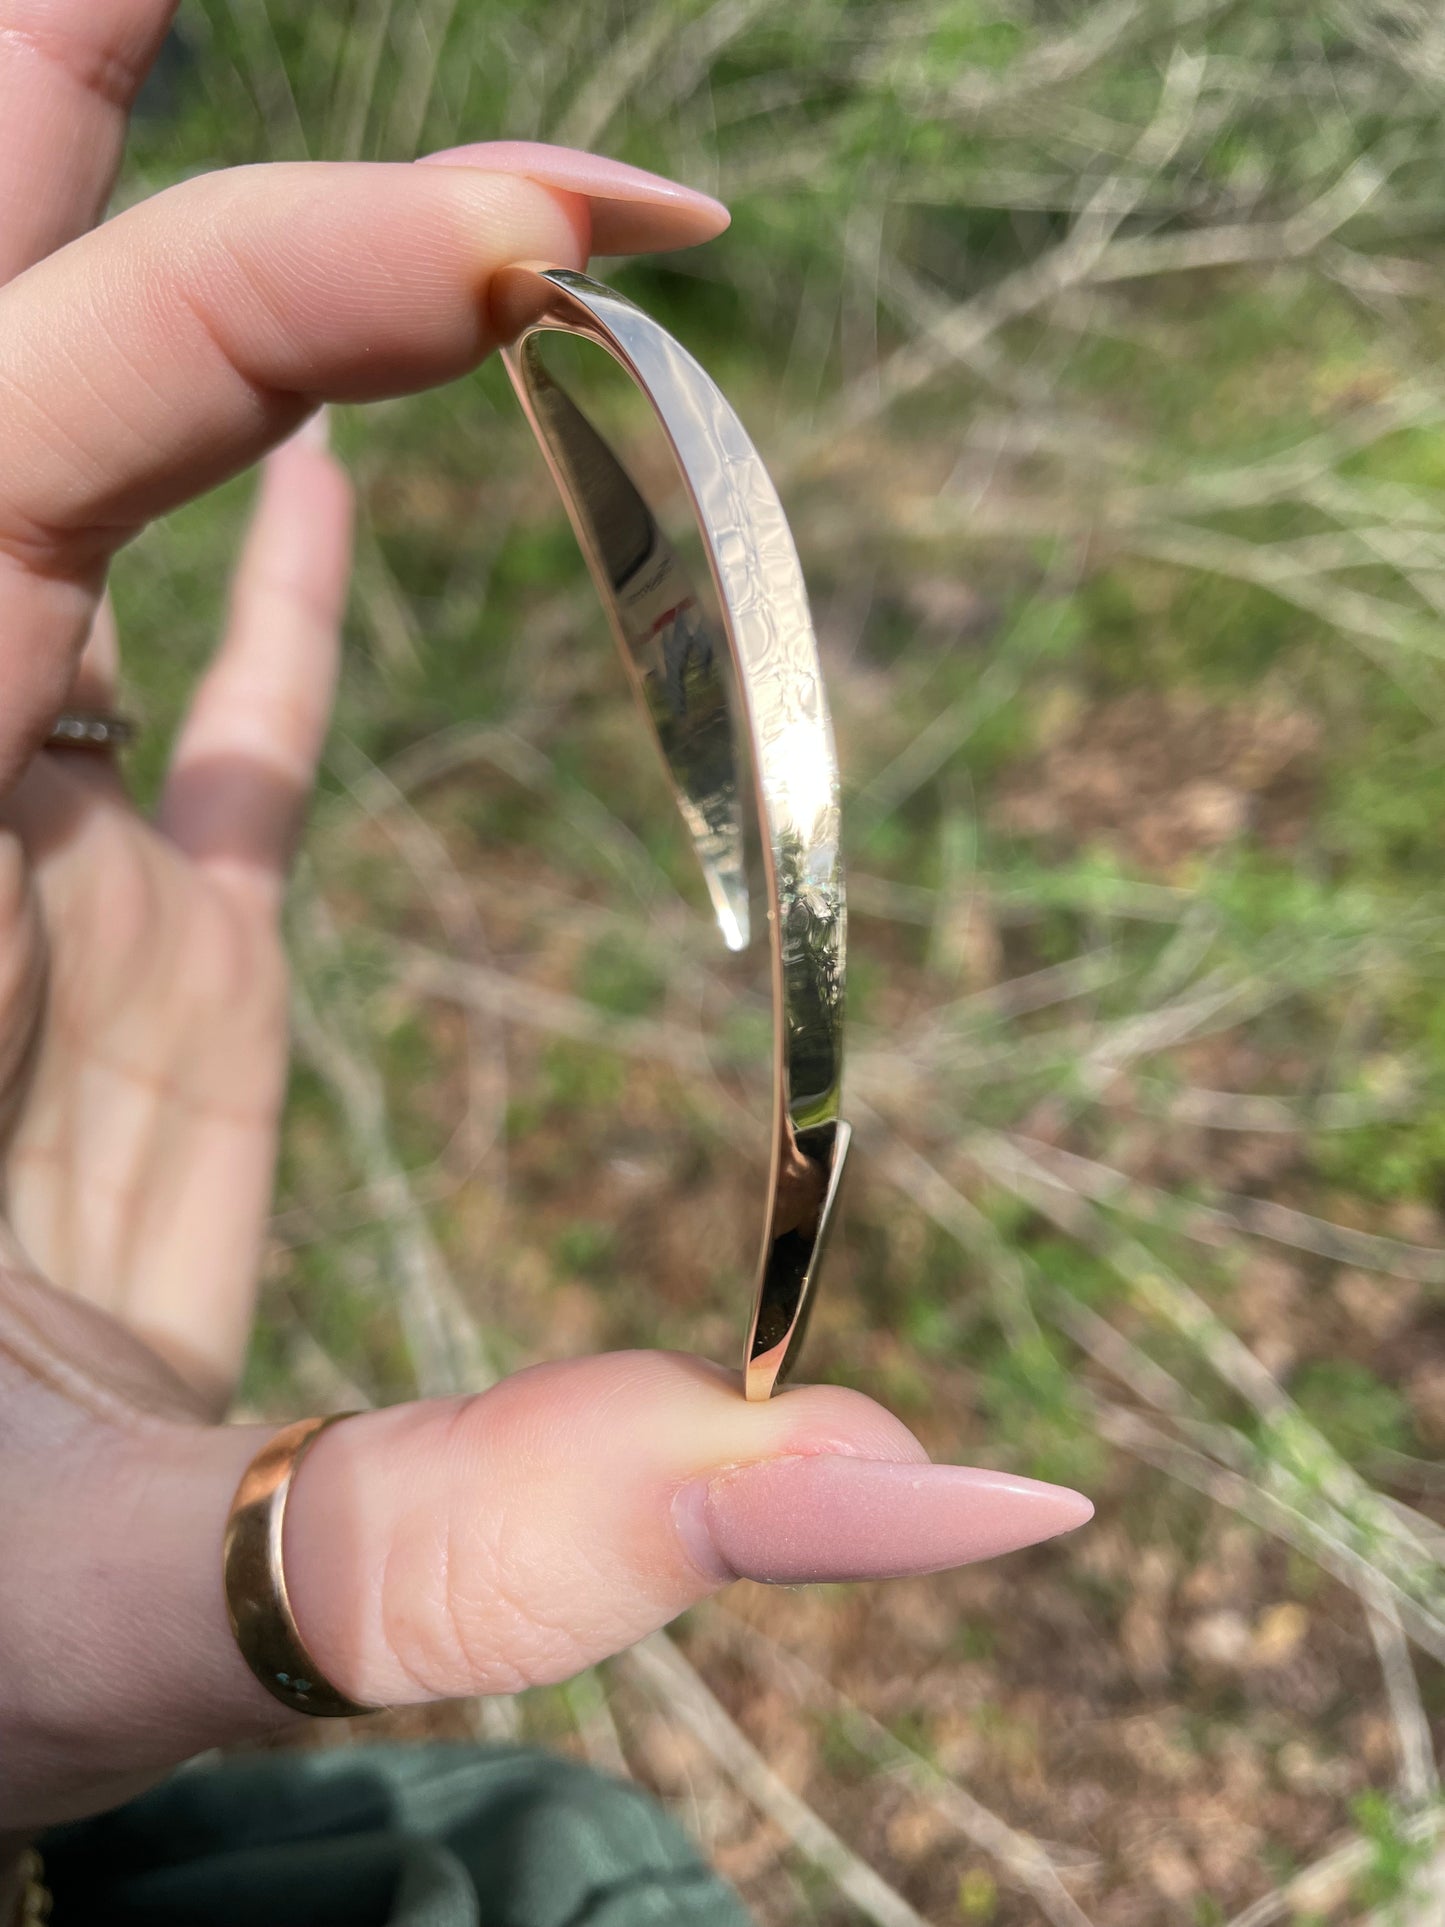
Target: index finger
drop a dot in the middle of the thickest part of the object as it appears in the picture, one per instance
(69, 72)
(174, 345)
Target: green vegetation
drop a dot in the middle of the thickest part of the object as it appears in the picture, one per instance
(1095, 350)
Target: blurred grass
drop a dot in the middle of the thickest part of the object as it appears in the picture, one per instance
(1095, 350)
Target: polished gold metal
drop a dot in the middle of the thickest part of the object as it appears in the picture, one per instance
(257, 1602)
(677, 663)
(91, 729)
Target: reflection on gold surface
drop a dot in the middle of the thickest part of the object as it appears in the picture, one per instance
(676, 660)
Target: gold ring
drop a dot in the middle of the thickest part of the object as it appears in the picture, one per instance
(257, 1601)
(681, 659)
(91, 729)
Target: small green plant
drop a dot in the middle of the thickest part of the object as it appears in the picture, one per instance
(586, 1248)
(1395, 1857)
(621, 977)
(977, 1895)
(1356, 1411)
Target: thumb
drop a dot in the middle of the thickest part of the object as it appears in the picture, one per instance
(514, 1538)
(484, 1544)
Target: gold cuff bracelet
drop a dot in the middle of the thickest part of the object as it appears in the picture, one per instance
(680, 669)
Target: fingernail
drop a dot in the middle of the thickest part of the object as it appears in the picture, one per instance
(314, 432)
(794, 1521)
(593, 175)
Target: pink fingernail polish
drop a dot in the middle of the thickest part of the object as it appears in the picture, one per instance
(593, 175)
(794, 1521)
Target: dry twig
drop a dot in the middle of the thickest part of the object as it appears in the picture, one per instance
(1024, 1861)
(660, 1666)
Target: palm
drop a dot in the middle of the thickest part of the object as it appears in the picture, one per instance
(142, 981)
(143, 1109)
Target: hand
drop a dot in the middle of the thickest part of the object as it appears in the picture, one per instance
(454, 1547)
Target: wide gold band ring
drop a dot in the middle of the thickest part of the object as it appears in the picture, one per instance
(681, 668)
(258, 1603)
(92, 729)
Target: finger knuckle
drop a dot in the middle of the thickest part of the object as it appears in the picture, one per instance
(472, 1601)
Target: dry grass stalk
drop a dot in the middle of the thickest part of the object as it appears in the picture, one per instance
(659, 1665)
(1024, 1861)
(444, 1340)
(1330, 1877)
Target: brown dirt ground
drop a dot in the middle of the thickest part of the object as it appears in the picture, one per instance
(1182, 1707)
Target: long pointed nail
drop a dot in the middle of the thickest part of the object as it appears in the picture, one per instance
(793, 1521)
(593, 175)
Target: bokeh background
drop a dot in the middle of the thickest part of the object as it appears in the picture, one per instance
(1095, 351)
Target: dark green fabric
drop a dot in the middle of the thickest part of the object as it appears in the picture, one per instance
(426, 1836)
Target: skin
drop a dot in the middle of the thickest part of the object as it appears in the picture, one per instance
(435, 1549)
